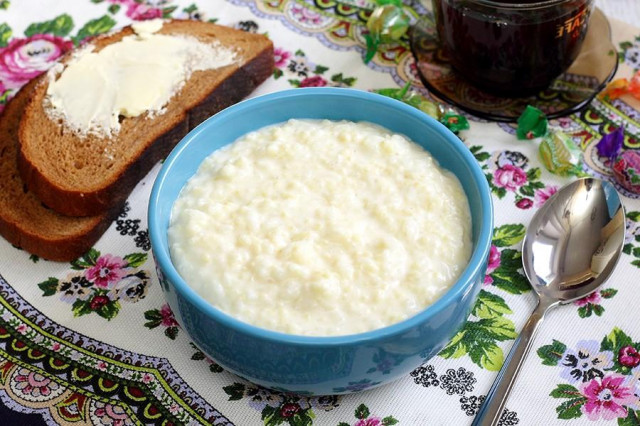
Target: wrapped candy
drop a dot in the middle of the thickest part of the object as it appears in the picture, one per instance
(414, 99)
(626, 170)
(388, 22)
(622, 86)
(560, 155)
(532, 123)
(454, 122)
(611, 144)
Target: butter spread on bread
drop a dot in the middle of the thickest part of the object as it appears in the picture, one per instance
(138, 74)
(24, 221)
(85, 175)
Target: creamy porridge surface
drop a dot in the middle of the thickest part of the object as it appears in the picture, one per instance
(321, 228)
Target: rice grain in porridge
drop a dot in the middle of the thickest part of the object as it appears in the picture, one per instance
(321, 228)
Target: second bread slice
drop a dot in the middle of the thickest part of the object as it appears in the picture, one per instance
(72, 175)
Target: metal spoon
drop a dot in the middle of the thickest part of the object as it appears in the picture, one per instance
(570, 249)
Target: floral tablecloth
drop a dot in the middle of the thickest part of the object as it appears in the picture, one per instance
(76, 351)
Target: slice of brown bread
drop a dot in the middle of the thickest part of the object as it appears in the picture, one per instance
(24, 221)
(74, 176)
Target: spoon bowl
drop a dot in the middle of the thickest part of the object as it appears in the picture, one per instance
(570, 249)
(574, 241)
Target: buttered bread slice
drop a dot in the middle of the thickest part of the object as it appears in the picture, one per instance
(113, 108)
(24, 221)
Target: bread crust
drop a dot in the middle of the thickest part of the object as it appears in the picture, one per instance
(24, 221)
(170, 128)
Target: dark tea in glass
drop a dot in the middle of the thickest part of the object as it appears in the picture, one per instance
(511, 47)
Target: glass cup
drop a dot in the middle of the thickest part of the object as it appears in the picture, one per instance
(511, 47)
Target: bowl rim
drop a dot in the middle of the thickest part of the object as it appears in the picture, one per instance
(462, 285)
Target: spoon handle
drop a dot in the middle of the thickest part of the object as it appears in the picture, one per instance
(491, 410)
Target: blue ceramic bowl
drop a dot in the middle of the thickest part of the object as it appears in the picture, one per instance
(320, 365)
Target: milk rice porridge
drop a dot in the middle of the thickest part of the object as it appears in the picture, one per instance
(321, 228)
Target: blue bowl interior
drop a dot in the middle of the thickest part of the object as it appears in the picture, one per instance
(319, 103)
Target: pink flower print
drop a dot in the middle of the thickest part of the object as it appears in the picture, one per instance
(372, 421)
(594, 298)
(107, 271)
(510, 177)
(542, 195)
(280, 57)
(493, 264)
(524, 203)
(168, 320)
(147, 378)
(140, 11)
(22, 329)
(26, 58)
(628, 356)
(315, 81)
(56, 347)
(606, 397)
(101, 365)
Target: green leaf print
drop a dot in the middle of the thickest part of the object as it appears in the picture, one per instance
(608, 293)
(552, 354)
(533, 174)
(94, 27)
(634, 216)
(171, 332)
(508, 235)
(109, 310)
(135, 260)
(235, 391)
(87, 260)
(507, 276)
(59, 26)
(456, 348)
(4, 4)
(5, 34)
(341, 80)
(389, 420)
(487, 355)
(565, 391)
(113, 9)
(570, 409)
(49, 287)
(477, 152)
(478, 340)
(80, 307)
(585, 311)
(632, 418)
(362, 412)
(153, 317)
(497, 328)
(490, 305)
(319, 70)
(615, 340)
